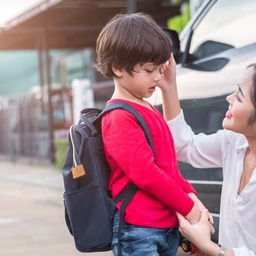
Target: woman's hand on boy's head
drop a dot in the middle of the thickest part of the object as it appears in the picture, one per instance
(168, 72)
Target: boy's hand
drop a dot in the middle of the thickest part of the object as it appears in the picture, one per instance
(194, 215)
(168, 72)
(200, 205)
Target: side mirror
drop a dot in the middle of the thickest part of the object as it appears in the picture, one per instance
(175, 42)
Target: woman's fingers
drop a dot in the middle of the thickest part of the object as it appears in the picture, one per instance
(181, 218)
(205, 217)
(212, 229)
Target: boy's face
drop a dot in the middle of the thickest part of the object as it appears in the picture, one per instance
(143, 81)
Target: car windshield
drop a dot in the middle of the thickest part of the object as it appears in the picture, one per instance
(228, 24)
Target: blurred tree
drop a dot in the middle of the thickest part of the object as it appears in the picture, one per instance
(178, 22)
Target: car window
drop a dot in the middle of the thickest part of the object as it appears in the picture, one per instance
(228, 24)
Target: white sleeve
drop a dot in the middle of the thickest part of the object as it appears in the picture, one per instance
(201, 150)
(243, 251)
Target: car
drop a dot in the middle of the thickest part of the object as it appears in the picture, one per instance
(211, 52)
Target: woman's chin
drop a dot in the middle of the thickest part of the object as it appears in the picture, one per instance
(225, 124)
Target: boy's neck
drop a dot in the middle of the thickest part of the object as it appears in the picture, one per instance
(117, 96)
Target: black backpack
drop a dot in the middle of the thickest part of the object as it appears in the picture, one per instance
(89, 208)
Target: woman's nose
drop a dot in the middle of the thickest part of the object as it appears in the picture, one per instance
(229, 98)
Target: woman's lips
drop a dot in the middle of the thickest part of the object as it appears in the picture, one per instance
(228, 114)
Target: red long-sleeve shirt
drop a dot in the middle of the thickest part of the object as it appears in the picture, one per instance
(162, 189)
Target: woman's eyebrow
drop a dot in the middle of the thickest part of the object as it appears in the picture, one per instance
(240, 90)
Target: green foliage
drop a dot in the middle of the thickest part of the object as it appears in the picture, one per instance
(61, 148)
(178, 22)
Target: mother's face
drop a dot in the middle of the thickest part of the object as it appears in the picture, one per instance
(241, 109)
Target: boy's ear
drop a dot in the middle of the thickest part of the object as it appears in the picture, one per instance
(117, 72)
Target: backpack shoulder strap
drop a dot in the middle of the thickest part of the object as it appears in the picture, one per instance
(135, 113)
(128, 193)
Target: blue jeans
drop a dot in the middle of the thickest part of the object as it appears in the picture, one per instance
(142, 241)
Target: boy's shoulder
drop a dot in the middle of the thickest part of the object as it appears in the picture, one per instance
(121, 116)
(143, 106)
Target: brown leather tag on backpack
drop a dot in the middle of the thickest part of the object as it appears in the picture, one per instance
(78, 171)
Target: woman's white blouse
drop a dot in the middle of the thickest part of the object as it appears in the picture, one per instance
(224, 149)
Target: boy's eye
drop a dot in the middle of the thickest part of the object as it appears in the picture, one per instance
(149, 71)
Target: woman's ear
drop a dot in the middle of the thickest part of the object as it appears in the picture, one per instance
(117, 72)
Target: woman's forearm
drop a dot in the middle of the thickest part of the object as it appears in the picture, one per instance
(171, 103)
(168, 86)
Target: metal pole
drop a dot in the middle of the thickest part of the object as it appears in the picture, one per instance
(41, 68)
(46, 68)
(132, 6)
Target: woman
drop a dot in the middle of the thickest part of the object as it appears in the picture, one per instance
(233, 149)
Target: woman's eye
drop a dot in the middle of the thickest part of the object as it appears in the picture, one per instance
(149, 71)
(238, 98)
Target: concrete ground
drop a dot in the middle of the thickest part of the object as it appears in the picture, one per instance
(31, 212)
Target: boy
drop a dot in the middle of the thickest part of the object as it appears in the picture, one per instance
(133, 50)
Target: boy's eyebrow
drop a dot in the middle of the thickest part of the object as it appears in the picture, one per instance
(149, 64)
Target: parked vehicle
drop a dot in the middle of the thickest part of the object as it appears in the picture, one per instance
(212, 53)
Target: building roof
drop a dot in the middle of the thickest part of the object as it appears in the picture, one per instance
(69, 24)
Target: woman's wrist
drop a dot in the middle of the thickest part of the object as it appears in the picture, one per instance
(213, 249)
(170, 87)
(222, 251)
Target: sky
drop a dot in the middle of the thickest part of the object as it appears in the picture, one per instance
(11, 8)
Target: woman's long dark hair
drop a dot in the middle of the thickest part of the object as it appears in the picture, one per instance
(252, 119)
